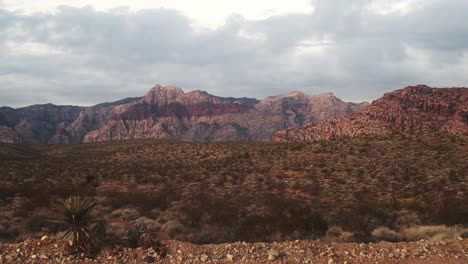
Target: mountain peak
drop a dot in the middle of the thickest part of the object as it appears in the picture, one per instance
(296, 93)
(163, 94)
(159, 88)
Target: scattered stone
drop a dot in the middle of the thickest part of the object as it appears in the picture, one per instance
(204, 258)
(273, 254)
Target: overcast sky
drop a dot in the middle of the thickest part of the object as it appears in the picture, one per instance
(62, 52)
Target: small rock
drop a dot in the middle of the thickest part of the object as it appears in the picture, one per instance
(34, 256)
(331, 261)
(44, 238)
(204, 258)
(273, 254)
(119, 261)
(148, 259)
(43, 256)
(230, 257)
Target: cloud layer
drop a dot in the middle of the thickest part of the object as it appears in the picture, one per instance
(356, 49)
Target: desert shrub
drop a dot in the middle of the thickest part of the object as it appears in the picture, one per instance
(37, 223)
(433, 232)
(451, 210)
(406, 218)
(363, 216)
(284, 218)
(338, 234)
(126, 213)
(143, 199)
(173, 228)
(385, 234)
(152, 224)
(8, 232)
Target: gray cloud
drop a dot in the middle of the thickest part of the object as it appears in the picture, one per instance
(84, 56)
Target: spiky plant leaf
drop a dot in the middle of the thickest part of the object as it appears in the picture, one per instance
(76, 213)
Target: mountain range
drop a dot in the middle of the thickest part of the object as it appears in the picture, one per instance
(169, 112)
(414, 109)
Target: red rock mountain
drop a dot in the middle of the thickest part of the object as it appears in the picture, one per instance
(169, 112)
(413, 109)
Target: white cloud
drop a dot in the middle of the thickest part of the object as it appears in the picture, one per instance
(30, 49)
(402, 7)
(86, 56)
(203, 13)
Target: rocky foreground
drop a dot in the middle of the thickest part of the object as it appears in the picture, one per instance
(52, 251)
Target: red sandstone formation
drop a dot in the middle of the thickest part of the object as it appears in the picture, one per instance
(413, 109)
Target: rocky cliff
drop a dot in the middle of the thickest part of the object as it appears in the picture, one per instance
(169, 112)
(34, 124)
(413, 109)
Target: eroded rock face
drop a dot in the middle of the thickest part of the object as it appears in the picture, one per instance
(9, 135)
(37, 123)
(413, 109)
(169, 112)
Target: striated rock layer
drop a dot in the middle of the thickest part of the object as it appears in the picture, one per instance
(169, 112)
(413, 109)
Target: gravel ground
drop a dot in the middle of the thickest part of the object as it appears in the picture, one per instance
(52, 251)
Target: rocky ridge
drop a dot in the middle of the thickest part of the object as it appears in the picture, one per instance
(52, 251)
(414, 109)
(169, 112)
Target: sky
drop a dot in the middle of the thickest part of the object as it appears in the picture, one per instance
(87, 52)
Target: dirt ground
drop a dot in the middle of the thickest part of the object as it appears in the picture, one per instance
(52, 251)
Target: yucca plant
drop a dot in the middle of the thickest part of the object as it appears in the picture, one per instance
(76, 213)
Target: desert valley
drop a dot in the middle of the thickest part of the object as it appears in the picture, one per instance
(196, 168)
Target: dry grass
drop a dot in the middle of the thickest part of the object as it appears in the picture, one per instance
(433, 232)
